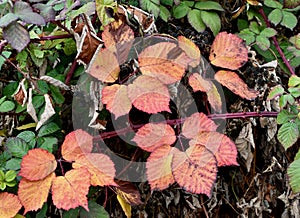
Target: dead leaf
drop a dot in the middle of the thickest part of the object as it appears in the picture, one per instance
(9, 204)
(48, 112)
(129, 192)
(191, 49)
(55, 82)
(125, 206)
(20, 94)
(30, 108)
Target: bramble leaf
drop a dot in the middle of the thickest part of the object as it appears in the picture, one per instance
(235, 84)
(228, 51)
(125, 206)
(37, 164)
(288, 134)
(293, 172)
(70, 191)
(191, 49)
(275, 91)
(209, 5)
(275, 16)
(194, 18)
(75, 144)
(294, 80)
(289, 20)
(102, 7)
(95, 210)
(9, 204)
(148, 94)
(16, 35)
(129, 192)
(33, 194)
(212, 21)
(152, 136)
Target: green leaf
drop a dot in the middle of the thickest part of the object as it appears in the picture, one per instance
(268, 32)
(209, 5)
(2, 175)
(38, 101)
(2, 185)
(275, 91)
(293, 172)
(7, 19)
(27, 136)
(181, 11)
(151, 6)
(7, 106)
(284, 116)
(101, 8)
(56, 95)
(6, 54)
(71, 213)
(275, 16)
(289, 20)
(212, 21)
(11, 184)
(43, 212)
(17, 147)
(194, 18)
(13, 164)
(10, 175)
(164, 13)
(263, 42)
(273, 4)
(288, 134)
(48, 143)
(2, 99)
(43, 86)
(16, 35)
(87, 8)
(297, 155)
(295, 40)
(295, 91)
(294, 81)
(167, 2)
(95, 210)
(48, 129)
(254, 27)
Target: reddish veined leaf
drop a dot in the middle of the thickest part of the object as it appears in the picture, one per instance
(220, 145)
(153, 135)
(37, 164)
(191, 49)
(129, 192)
(200, 84)
(149, 95)
(159, 171)
(9, 204)
(197, 123)
(100, 166)
(154, 62)
(195, 169)
(105, 66)
(70, 191)
(228, 51)
(33, 194)
(234, 83)
(75, 144)
(112, 96)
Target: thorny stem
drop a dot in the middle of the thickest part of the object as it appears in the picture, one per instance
(44, 38)
(71, 72)
(286, 62)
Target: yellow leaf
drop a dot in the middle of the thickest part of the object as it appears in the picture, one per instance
(26, 126)
(125, 206)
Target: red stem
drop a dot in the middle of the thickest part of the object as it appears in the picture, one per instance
(44, 38)
(71, 72)
(286, 62)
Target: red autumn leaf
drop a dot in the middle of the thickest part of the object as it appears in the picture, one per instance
(70, 191)
(234, 83)
(112, 96)
(197, 123)
(191, 49)
(129, 192)
(9, 204)
(33, 194)
(149, 95)
(220, 145)
(195, 169)
(200, 84)
(105, 66)
(153, 135)
(159, 171)
(75, 144)
(154, 62)
(100, 166)
(37, 164)
(228, 51)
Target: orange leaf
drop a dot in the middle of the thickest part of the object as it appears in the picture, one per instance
(228, 51)
(112, 96)
(37, 164)
(149, 95)
(70, 191)
(159, 171)
(220, 145)
(100, 166)
(153, 135)
(200, 84)
(197, 123)
(105, 66)
(195, 169)
(154, 62)
(191, 49)
(75, 144)
(129, 192)
(33, 194)
(234, 83)
(9, 204)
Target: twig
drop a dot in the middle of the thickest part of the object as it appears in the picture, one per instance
(71, 72)
(26, 75)
(44, 38)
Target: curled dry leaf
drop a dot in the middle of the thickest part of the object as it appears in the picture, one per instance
(37, 164)
(129, 192)
(70, 191)
(200, 84)
(112, 96)
(100, 166)
(154, 135)
(235, 84)
(195, 169)
(30, 108)
(196, 123)
(48, 112)
(20, 94)
(159, 171)
(33, 194)
(220, 145)
(9, 204)
(148, 94)
(191, 49)
(55, 82)
(228, 51)
(76, 143)
(125, 205)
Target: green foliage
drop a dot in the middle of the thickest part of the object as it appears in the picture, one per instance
(7, 179)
